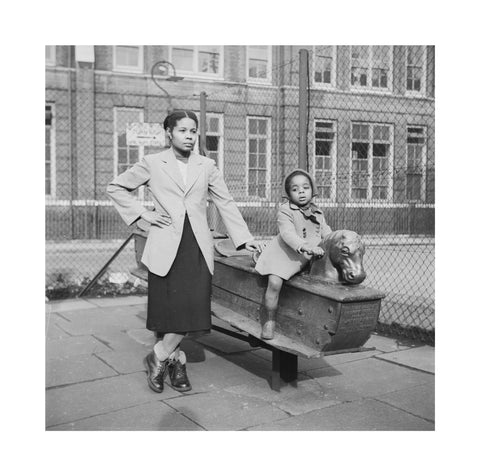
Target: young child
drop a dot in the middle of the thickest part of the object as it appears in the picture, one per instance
(302, 226)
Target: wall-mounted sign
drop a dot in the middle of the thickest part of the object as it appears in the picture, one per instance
(145, 133)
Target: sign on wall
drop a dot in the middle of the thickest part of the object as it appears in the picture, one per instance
(145, 133)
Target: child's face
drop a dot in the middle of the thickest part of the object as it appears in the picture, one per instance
(300, 190)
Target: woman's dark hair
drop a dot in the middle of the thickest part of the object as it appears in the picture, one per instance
(288, 180)
(171, 120)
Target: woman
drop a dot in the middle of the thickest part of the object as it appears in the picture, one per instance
(179, 248)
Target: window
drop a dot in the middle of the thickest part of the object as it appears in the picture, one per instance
(49, 55)
(125, 155)
(416, 61)
(371, 168)
(214, 138)
(324, 164)
(259, 63)
(371, 67)
(197, 60)
(49, 151)
(416, 159)
(214, 144)
(258, 157)
(324, 68)
(128, 59)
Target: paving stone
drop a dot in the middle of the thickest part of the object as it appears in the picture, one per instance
(69, 305)
(123, 340)
(76, 368)
(118, 301)
(87, 399)
(96, 324)
(53, 332)
(220, 410)
(71, 346)
(417, 400)
(370, 377)
(386, 344)
(125, 362)
(354, 416)
(154, 416)
(142, 336)
(218, 373)
(420, 358)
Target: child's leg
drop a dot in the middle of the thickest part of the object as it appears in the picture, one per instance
(273, 292)
(271, 303)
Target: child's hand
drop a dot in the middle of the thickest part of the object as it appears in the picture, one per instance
(318, 251)
(253, 246)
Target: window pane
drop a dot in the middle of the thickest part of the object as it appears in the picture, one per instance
(262, 146)
(262, 161)
(127, 56)
(183, 58)
(415, 55)
(212, 143)
(208, 62)
(322, 147)
(258, 52)
(257, 68)
(252, 145)
(380, 150)
(252, 126)
(252, 160)
(262, 127)
(122, 155)
(133, 152)
(359, 150)
(213, 124)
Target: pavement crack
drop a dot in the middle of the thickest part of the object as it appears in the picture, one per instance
(403, 409)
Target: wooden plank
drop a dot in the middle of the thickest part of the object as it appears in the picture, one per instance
(253, 328)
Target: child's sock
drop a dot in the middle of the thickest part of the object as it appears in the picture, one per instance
(160, 351)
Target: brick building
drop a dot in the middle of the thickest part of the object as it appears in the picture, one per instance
(370, 131)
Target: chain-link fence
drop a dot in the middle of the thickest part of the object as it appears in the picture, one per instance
(368, 139)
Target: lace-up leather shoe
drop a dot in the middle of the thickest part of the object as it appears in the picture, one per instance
(155, 371)
(178, 376)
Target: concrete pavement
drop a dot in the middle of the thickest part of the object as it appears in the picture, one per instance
(95, 380)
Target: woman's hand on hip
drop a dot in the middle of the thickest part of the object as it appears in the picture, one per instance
(156, 218)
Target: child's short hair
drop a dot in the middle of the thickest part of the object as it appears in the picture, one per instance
(288, 180)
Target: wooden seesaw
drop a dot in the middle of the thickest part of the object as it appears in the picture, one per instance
(319, 312)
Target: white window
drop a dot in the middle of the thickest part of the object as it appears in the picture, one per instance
(49, 151)
(324, 66)
(214, 138)
(50, 54)
(197, 60)
(259, 64)
(372, 161)
(125, 155)
(325, 160)
(416, 161)
(128, 59)
(371, 67)
(416, 69)
(258, 157)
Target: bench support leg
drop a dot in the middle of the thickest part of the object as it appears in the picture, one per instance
(284, 367)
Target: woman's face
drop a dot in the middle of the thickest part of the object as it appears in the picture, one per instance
(300, 190)
(184, 135)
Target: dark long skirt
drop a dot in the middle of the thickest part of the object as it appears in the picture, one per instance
(180, 301)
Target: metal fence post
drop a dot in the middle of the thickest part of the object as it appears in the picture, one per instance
(203, 121)
(303, 110)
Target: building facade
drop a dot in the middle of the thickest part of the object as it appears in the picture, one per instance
(371, 128)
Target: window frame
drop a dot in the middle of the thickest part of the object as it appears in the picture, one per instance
(141, 148)
(53, 174)
(218, 115)
(423, 166)
(333, 156)
(128, 69)
(51, 59)
(333, 83)
(391, 158)
(268, 158)
(423, 89)
(369, 87)
(253, 80)
(195, 73)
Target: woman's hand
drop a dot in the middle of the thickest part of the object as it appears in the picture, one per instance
(253, 246)
(156, 218)
(316, 251)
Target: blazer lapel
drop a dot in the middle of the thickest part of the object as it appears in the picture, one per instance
(193, 171)
(171, 168)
